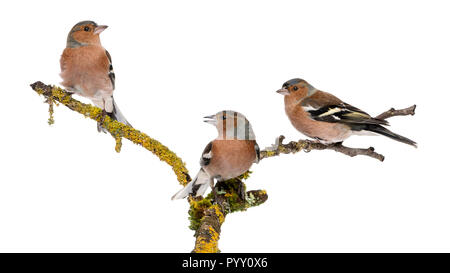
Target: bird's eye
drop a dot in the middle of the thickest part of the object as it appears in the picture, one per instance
(86, 29)
(295, 88)
(224, 117)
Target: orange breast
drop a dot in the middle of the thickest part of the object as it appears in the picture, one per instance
(326, 131)
(86, 68)
(231, 158)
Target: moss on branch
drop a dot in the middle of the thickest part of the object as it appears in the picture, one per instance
(207, 214)
(117, 130)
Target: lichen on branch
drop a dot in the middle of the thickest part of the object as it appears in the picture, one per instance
(55, 95)
(208, 214)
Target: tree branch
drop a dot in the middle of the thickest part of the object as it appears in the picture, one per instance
(206, 218)
(55, 95)
(206, 214)
(309, 145)
(402, 112)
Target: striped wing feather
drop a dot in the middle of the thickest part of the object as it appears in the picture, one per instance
(325, 107)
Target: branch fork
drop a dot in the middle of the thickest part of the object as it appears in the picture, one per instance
(206, 214)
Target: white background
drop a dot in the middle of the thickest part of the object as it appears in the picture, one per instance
(63, 188)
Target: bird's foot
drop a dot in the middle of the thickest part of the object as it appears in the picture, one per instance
(100, 124)
(68, 94)
(104, 114)
(337, 143)
(317, 140)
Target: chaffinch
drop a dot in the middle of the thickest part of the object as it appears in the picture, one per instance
(86, 69)
(324, 117)
(231, 154)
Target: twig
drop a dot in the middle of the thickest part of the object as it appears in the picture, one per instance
(309, 145)
(402, 112)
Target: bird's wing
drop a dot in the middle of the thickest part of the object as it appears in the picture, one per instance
(206, 155)
(63, 60)
(258, 153)
(111, 74)
(325, 107)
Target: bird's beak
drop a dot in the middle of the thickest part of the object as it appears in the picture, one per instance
(99, 29)
(283, 91)
(211, 120)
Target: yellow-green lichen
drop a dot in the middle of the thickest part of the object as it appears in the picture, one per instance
(219, 213)
(245, 175)
(118, 144)
(197, 211)
(118, 130)
(233, 202)
(232, 188)
(51, 118)
(268, 153)
(203, 245)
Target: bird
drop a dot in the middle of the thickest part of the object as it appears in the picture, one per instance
(327, 119)
(87, 70)
(229, 155)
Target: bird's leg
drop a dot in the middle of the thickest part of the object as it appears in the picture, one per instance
(213, 189)
(217, 199)
(241, 189)
(104, 114)
(338, 143)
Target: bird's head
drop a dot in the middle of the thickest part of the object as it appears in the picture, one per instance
(297, 89)
(231, 125)
(85, 33)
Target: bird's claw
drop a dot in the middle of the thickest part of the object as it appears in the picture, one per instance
(100, 124)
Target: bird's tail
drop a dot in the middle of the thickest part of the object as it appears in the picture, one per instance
(385, 132)
(196, 187)
(115, 115)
